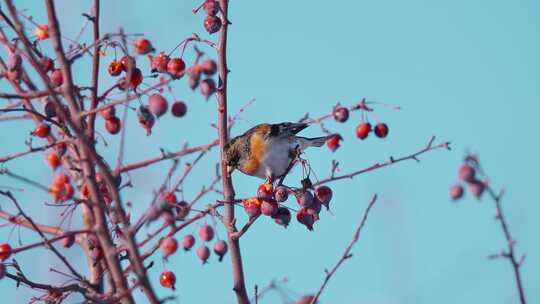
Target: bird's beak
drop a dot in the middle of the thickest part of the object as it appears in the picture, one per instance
(230, 169)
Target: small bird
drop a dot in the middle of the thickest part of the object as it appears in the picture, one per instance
(266, 150)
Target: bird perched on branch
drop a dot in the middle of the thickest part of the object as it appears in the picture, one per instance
(268, 150)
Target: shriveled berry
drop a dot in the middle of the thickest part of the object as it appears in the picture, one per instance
(5, 251)
(282, 217)
(168, 246)
(476, 188)
(341, 114)
(108, 113)
(305, 218)
(128, 63)
(363, 129)
(57, 78)
(209, 67)
(176, 67)
(115, 68)
(178, 109)
(47, 64)
(206, 233)
(158, 104)
(136, 78)
(304, 198)
(269, 208)
(203, 253)
(53, 160)
(143, 46)
(323, 194)
(220, 248)
(265, 192)
(42, 32)
(113, 125)
(69, 240)
(466, 173)
(159, 63)
(42, 130)
(281, 194)
(333, 142)
(252, 207)
(188, 241)
(456, 192)
(167, 279)
(314, 209)
(381, 130)
(212, 24)
(208, 87)
(49, 109)
(211, 7)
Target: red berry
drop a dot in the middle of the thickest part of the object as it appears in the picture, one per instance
(206, 233)
(203, 253)
(323, 195)
(159, 62)
(456, 192)
(69, 240)
(265, 192)
(220, 248)
(305, 218)
(209, 67)
(61, 179)
(170, 197)
(207, 87)
(5, 251)
(57, 78)
(43, 130)
(176, 67)
(178, 109)
(60, 148)
(304, 198)
(341, 114)
(188, 241)
(115, 68)
(269, 208)
(333, 142)
(381, 130)
(168, 246)
(136, 78)
(167, 279)
(108, 113)
(113, 125)
(211, 7)
(143, 46)
(476, 188)
(42, 32)
(53, 160)
(466, 173)
(252, 207)
(363, 129)
(158, 104)
(282, 217)
(212, 24)
(281, 194)
(47, 64)
(128, 63)
(146, 119)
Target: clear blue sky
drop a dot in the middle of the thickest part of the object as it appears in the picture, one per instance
(466, 71)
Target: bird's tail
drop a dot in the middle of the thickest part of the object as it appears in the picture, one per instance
(313, 142)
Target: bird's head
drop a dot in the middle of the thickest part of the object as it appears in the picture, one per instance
(232, 151)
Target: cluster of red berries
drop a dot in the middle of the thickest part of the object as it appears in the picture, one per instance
(267, 202)
(341, 114)
(61, 189)
(133, 75)
(467, 174)
(212, 23)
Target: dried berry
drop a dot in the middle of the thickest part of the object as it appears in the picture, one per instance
(304, 198)
(323, 194)
(281, 194)
(306, 218)
(269, 208)
(282, 217)
(146, 119)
